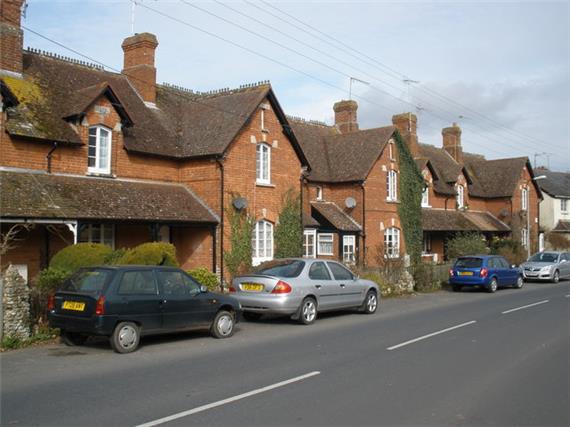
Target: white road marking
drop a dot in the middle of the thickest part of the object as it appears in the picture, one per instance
(524, 306)
(228, 400)
(394, 347)
(567, 296)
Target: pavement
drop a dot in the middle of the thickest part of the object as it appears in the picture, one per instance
(441, 359)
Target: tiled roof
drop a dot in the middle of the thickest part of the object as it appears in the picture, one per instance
(309, 221)
(40, 195)
(450, 220)
(336, 157)
(335, 216)
(495, 178)
(183, 124)
(556, 184)
(562, 226)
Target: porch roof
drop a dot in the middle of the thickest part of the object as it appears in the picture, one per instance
(35, 195)
(448, 220)
(562, 226)
(334, 215)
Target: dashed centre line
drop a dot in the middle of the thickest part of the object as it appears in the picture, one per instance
(228, 400)
(394, 347)
(524, 306)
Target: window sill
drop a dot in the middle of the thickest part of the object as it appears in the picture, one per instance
(426, 206)
(392, 201)
(101, 174)
(264, 184)
(323, 254)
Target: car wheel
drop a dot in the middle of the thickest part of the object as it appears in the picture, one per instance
(520, 283)
(455, 288)
(308, 311)
(73, 338)
(125, 338)
(370, 304)
(223, 325)
(251, 316)
(556, 277)
(492, 288)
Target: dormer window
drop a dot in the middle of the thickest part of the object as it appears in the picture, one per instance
(263, 163)
(319, 193)
(99, 150)
(425, 197)
(460, 197)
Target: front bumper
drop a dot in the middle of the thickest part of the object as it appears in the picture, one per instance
(537, 275)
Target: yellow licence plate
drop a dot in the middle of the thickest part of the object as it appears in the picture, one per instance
(466, 273)
(255, 287)
(73, 305)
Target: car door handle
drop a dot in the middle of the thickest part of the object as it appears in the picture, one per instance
(162, 301)
(318, 286)
(342, 285)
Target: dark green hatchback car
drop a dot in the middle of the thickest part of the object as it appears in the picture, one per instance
(127, 302)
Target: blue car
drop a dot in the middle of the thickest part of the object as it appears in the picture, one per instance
(487, 271)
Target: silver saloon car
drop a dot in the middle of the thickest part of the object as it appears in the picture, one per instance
(301, 288)
(548, 265)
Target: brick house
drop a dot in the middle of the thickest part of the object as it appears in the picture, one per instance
(92, 155)
(467, 193)
(350, 197)
(555, 206)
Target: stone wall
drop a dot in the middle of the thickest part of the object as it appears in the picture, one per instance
(15, 305)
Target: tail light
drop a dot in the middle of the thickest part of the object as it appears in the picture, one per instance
(451, 272)
(484, 272)
(232, 289)
(281, 288)
(100, 306)
(51, 303)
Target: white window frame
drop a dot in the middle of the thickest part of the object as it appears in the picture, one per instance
(392, 242)
(309, 250)
(426, 244)
(425, 197)
(460, 197)
(391, 151)
(392, 185)
(262, 242)
(349, 256)
(564, 205)
(319, 193)
(97, 168)
(323, 238)
(263, 170)
(92, 229)
(524, 199)
(524, 237)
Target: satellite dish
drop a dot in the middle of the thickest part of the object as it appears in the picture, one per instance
(240, 203)
(350, 202)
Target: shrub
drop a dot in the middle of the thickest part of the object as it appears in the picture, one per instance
(511, 249)
(154, 253)
(558, 241)
(114, 256)
(289, 230)
(426, 277)
(51, 278)
(238, 258)
(205, 277)
(387, 287)
(466, 244)
(80, 255)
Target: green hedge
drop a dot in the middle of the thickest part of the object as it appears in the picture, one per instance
(205, 277)
(80, 255)
(154, 253)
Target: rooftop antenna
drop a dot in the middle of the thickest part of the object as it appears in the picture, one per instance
(408, 82)
(354, 79)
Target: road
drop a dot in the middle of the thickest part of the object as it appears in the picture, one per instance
(461, 359)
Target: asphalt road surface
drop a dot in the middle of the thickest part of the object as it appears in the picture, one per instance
(466, 359)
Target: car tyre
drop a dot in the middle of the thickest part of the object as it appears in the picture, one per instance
(251, 316)
(308, 311)
(493, 286)
(223, 324)
(519, 283)
(125, 338)
(370, 304)
(73, 338)
(455, 288)
(556, 277)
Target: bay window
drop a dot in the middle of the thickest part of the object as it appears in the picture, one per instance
(309, 247)
(348, 249)
(326, 244)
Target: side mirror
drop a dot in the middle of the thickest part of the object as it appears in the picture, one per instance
(203, 289)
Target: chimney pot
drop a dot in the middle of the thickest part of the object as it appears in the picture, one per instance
(138, 63)
(345, 116)
(452, 142)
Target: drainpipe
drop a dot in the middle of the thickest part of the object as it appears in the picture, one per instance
(363, 250)
(48, 156)
(220, 161)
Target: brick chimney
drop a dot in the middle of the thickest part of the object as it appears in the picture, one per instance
(11, 37)
(345, 116)
(452, 142)
(407, 125)
(139, 64)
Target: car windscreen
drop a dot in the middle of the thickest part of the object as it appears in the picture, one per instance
(544, 257)
(469, 263)
(281, 268)
(90, 281)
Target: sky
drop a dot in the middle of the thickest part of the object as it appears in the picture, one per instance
(500, 69)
